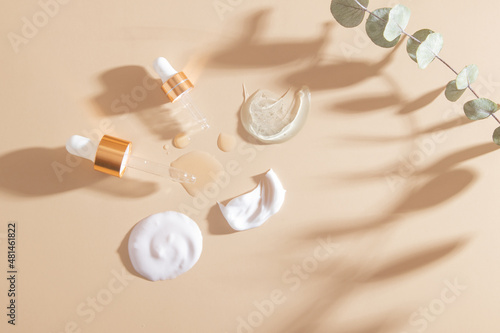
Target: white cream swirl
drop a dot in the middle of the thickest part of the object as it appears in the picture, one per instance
(252, 209)
(165, 245)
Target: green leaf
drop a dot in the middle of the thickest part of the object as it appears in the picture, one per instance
(429, 49)
(467, 76)
(452, 93)
(399, 17)
(496, 136)
(412, 45)
(375, 26)
(348, 12)
(480, 108)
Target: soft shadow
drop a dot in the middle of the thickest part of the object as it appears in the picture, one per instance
(410, 262)
(421, 101)
(446, 125)
(373, 103)
(128, 89)
(44, 171)
(337, 74)
(464, 155)
(217, 224)
(443, 165)
(126, 187)
(368, 104)
(125, 258)
(437, 191)
(429, 130)
(434, 192)
(251, 51)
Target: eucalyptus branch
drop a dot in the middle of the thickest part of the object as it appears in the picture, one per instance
(385, 26)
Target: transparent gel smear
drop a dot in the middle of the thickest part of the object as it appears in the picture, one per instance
(266, 116)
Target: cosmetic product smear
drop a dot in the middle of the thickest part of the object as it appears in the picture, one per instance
(226, 142)
(181, 140)
(265, 116)
(203, 166)
(113, 156)
(252, 209)
(165, 245)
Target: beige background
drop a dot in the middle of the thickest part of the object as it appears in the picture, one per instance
(397, 246)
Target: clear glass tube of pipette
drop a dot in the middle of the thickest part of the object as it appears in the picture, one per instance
(159, 169)
(188, 104)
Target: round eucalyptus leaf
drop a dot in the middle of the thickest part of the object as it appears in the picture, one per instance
(480, 108)
(452, 93)
(399, 17)
(412, 45)
(496, 136)
(375, 26)
(467, 76)
(348, 12)
(429, 49)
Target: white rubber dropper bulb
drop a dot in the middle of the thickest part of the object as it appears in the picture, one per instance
(163, 68)
(83, 147)
(80, 146)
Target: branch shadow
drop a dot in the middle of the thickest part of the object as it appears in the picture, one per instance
(450, 124)
(436, 191)
(421, 101)
(320, 76)
(347, 276)
(251, 51)
(410, 262)
(441, 166)
(464, 155)
(373, 103)
(41, 171)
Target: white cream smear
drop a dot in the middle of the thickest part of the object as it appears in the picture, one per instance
(165, 245)
(265, 116)
(252, 209)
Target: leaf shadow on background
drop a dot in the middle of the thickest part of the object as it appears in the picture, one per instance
(311, 319)
(367, 104)
(373, 103)
(436, 191)
(439, 167)
(346, 277)
(34, 172)
(450, 124)
(250, 50)
(130, 90)
(421, 101)
(321, 76)
(408, 263)
(464, 155)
